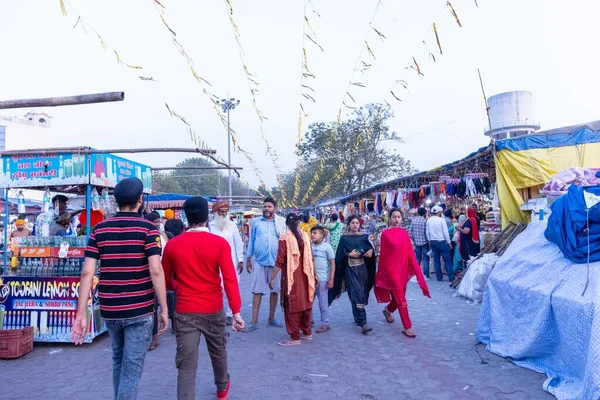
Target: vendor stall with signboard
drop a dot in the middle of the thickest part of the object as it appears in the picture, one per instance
(40, 281)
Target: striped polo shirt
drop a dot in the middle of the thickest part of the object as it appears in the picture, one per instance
(123, 244)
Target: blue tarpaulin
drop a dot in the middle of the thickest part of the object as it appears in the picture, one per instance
(535, 313)
(566, 136)
(575, 223)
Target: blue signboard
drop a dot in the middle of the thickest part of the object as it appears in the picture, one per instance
(49, 305)
(108, 170)
(42, 170)
(39, 170)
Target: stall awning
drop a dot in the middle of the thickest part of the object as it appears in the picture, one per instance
(169, 200)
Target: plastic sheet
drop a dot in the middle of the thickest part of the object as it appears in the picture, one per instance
(535, 313)
(474, 281)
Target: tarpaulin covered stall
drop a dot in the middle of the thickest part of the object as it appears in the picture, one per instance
(542, 312)
(531, 161)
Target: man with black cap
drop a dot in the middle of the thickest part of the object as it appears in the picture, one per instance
(131, 273)
(198, 259)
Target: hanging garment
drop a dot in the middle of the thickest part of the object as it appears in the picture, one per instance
(487, 185)
(462, 188)
(395, 200)
(471, 191)
(479, 186)
(389, 199)
(378, 205)
(450, 190)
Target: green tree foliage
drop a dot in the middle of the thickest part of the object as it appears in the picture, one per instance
(210, 182)
(362, 144)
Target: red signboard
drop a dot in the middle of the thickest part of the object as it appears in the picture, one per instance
(76, 252)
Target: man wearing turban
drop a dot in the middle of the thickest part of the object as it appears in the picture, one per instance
(223, 226)
(21, 230)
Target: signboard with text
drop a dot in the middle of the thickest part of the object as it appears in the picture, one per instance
(107, 170)
(39, 170)
(48, 304)
(73, 252)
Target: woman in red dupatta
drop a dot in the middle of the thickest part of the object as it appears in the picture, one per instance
(397, 264)
(469, 236)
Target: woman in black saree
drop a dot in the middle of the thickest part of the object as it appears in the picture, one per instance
(354, 271)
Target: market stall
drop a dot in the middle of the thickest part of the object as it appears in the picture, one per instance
(40, 280)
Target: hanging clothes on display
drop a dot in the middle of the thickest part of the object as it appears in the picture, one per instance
(378, 203)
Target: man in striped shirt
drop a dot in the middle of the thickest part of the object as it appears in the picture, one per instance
(131, 273)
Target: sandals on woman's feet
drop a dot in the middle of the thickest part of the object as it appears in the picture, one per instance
(409, 333)
(388, 316)
(323, 329)
(366, 329)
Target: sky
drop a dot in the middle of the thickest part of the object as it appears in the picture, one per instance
(545, 46)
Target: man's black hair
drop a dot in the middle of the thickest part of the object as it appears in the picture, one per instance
(422, 211)
(270, 200)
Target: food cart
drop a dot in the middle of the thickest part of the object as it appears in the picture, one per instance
(40, 281)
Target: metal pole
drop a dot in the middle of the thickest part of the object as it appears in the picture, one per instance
(229, 155)
(6, 221)
(63, 101)
(88, 211)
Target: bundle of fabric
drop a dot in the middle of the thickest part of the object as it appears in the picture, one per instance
(574, 225)
(560, 183)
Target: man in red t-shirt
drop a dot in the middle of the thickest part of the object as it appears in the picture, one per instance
(198, 259)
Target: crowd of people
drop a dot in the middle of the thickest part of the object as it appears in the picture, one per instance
(191, 276)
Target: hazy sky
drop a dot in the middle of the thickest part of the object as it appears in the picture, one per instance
(546, 46)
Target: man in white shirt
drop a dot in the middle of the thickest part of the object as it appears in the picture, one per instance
(223, 226)
(439, 240)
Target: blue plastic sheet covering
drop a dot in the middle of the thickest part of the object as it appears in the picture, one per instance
(535, 313)
(566, 136)
(574, 225)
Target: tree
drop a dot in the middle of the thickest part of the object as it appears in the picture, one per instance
(347, 157)
(210, 182)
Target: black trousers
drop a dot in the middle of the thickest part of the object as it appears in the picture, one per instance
(360, 314)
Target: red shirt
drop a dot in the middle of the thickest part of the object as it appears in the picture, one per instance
(198, 260)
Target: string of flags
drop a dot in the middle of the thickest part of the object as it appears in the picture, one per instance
(253, 86)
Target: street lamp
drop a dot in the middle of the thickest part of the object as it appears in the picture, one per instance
(228, 105)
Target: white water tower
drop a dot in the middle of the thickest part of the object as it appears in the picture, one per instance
(511, 115)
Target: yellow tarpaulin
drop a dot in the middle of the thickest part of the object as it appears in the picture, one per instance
(535, 167)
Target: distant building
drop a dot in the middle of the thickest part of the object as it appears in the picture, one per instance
(32, 131)
(27, 132)
(511, 115)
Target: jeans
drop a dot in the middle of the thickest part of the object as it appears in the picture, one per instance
(189, 329)
(321, 293)
(130, 340)
(442, 249)
(421, 253)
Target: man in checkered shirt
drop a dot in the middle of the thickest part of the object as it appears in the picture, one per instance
(417, 232)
